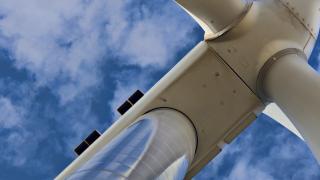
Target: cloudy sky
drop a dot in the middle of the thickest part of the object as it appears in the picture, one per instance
(65, 66)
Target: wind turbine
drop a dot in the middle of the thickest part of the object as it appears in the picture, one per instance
(254, 53)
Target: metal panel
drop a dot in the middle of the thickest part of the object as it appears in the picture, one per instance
(307, 11)
(268, 28)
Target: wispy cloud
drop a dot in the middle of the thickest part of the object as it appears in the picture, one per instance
(10, 115)
(58, 42)
(63, 43)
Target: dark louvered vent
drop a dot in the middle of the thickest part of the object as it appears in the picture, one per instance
(87, 142)
(81, 148)
(134, 98)
(92, 137)
(124, 107)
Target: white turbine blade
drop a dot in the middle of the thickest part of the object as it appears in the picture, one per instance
(273, 111)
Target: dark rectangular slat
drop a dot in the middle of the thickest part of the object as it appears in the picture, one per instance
(124, 107)
(93, 137)
(81, 148)
(136, 96)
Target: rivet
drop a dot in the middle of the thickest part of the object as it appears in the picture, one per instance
(163, 99)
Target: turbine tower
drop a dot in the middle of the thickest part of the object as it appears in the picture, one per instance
(254, 53)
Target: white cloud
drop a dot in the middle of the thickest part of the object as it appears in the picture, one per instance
(20, 147)
(18, 142)
(39, 32)
(243, 170)
(63, 43)
(156, 38)
(10, 115)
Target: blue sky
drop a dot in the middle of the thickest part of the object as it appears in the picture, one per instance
(65, 66)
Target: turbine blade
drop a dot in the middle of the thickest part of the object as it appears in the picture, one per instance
(274, 112)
